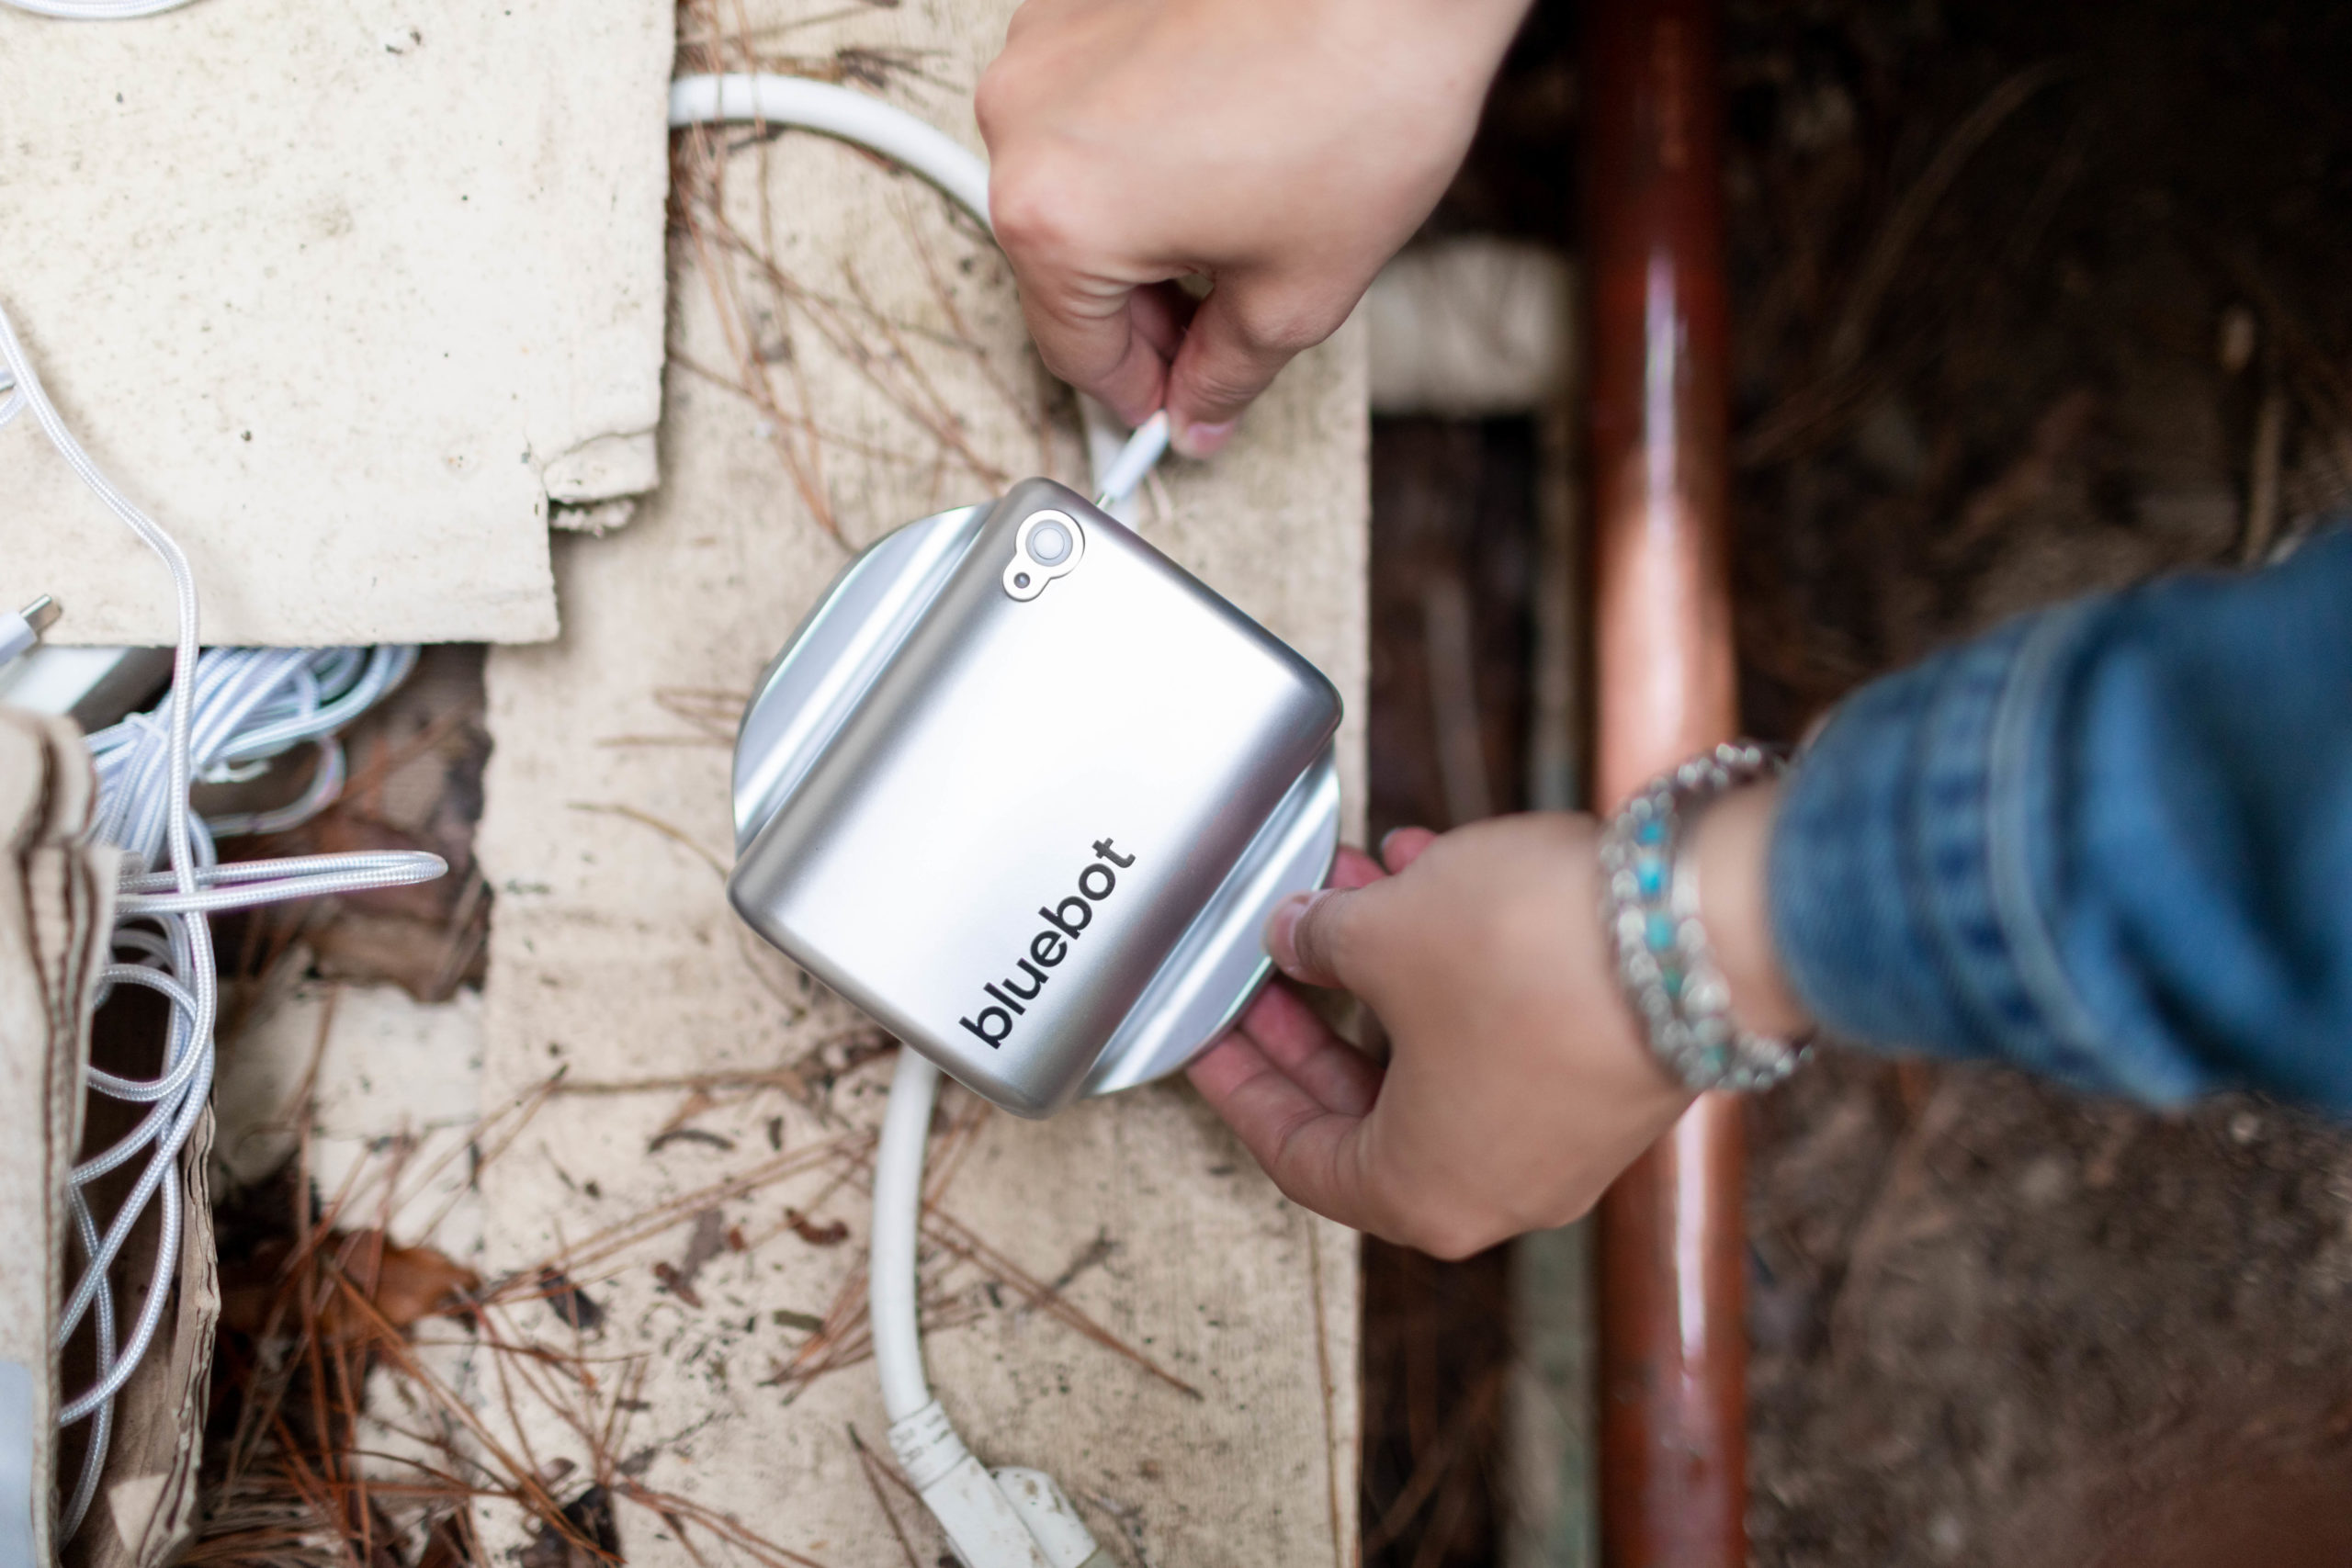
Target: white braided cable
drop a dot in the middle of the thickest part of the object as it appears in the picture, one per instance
(94, 10)
(228, 711)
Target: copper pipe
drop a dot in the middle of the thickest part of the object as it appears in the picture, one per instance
(1673, 1348)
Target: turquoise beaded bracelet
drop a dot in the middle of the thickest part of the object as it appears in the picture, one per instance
(1650, 907)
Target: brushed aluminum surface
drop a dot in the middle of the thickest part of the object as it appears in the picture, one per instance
(1032, 828)
(1221, 963)
(818, 676)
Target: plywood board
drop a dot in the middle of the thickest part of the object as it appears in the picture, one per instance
(846, 356)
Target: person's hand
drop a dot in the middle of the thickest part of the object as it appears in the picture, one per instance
(1282, 150)
(1518, 1084)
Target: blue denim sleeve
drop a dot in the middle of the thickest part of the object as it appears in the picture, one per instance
(2110, 843)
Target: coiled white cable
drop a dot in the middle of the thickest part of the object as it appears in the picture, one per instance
(252, 705)
(228, 711)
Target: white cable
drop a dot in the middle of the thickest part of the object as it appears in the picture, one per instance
(228, 711)
(95, 11)
(252, 705)
(820, 106)
(990, 1525)
(248, 883)
(898, 1220)
(1137, 458)
(918, 148)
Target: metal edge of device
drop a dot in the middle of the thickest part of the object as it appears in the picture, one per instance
(1219, 964)
(809, 688)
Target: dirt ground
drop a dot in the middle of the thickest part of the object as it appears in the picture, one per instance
(2030, 300)
(1993, 1322)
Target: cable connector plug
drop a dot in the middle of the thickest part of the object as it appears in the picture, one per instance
(1052, 1523)
(20, 631)
(1014, 1518)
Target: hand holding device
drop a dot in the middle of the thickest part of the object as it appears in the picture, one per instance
(1519, 1084)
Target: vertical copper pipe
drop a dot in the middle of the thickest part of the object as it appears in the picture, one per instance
(1673, 1347)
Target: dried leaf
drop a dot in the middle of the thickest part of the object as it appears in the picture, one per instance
(414, 1282)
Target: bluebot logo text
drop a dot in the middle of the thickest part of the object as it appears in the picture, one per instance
(1065, 922)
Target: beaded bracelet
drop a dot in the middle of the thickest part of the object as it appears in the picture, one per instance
(1650, 905)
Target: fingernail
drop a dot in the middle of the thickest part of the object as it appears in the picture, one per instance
(1281, 927)
(1201, 440)
(1385, 840)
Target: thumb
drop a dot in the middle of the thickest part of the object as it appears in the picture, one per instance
(1244, 333)
(1319, 939)
(1099, 337)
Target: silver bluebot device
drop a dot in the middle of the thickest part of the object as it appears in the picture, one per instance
(1026, 791)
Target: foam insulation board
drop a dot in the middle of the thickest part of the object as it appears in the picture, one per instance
(344, 295)
(394, 1097)
(391, 1090)
(877, 372)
